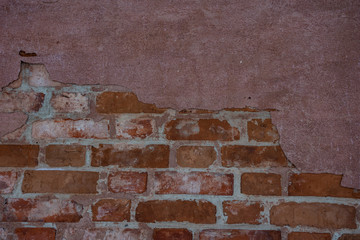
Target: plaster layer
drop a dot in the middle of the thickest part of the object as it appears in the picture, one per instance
(300, 57)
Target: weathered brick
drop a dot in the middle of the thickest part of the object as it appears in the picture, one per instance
(67, 128)
(131, 128)
(36, 210)
(218, 234)
(21, 101)
(322, 185)
(195, 156)
(242, 212)
(35, 233)
(202, 129)
(127, 182)
(172, 234)
(113, 210)
(138, 156)
(60, 182)
(320, 215)
(261, 184)
(19, 155)
(70, 102)
(123, 102)
(309, 236)
(179, 211)
(262, 131)
(4, 234)
(65, 155)
(193, 183)
(7, 182)
(350, 237)
(101, 233)
(252, 156)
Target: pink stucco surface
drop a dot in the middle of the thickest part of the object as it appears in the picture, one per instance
(300, 57)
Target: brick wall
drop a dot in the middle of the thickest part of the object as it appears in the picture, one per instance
(94, 162)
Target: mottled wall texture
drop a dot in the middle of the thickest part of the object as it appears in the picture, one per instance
(299, 57)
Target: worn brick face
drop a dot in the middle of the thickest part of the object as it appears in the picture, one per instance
(114, 210)
(36, 210)
(19, 155)
(7, 181)
(202, 129)
(65, 155)
(242, 212)
(252, 156)
(134, 128)
(21, 101)
(322, 185)
(123, 102)
(35, 233)
(239, 235)
(67, 128)
(70, 103)
(172, 234)
(261, 184)
(193, 183)
(127, 182)
(113, 233)
(320, 215)
(350, 237)
(195, 156)
(179, 211)
(261, 130)
(137, 156)
(60, 182)
(309, 236)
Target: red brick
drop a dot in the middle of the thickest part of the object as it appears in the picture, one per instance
(60, 182)
(7, 182)
(262, 131)
(134, 128)
(123, 102)
(322, 185)
(113, 210)
(309, 236)
(202, 129)
(127, 182)
(350, 237)
(65, 155)
(35, 210)
(253, 156)
(172, 234)
(70, 102)
(320, 215)
(261, 184)
(218, 234)
(21, 101)
(193, 183)
(138, 156)
(179, 211)
(35, 233)
(195, 156)
(19, 155)
(67, 128)
(242, 212)
(101, 233)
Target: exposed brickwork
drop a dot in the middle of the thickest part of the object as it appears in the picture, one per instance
(35, 233)
(60, 182)
(65, 155)
(167, 211)
(95, 165)
(313, 215)
(193, 183)
(261, 184)
(195, 156)
(19, 155)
